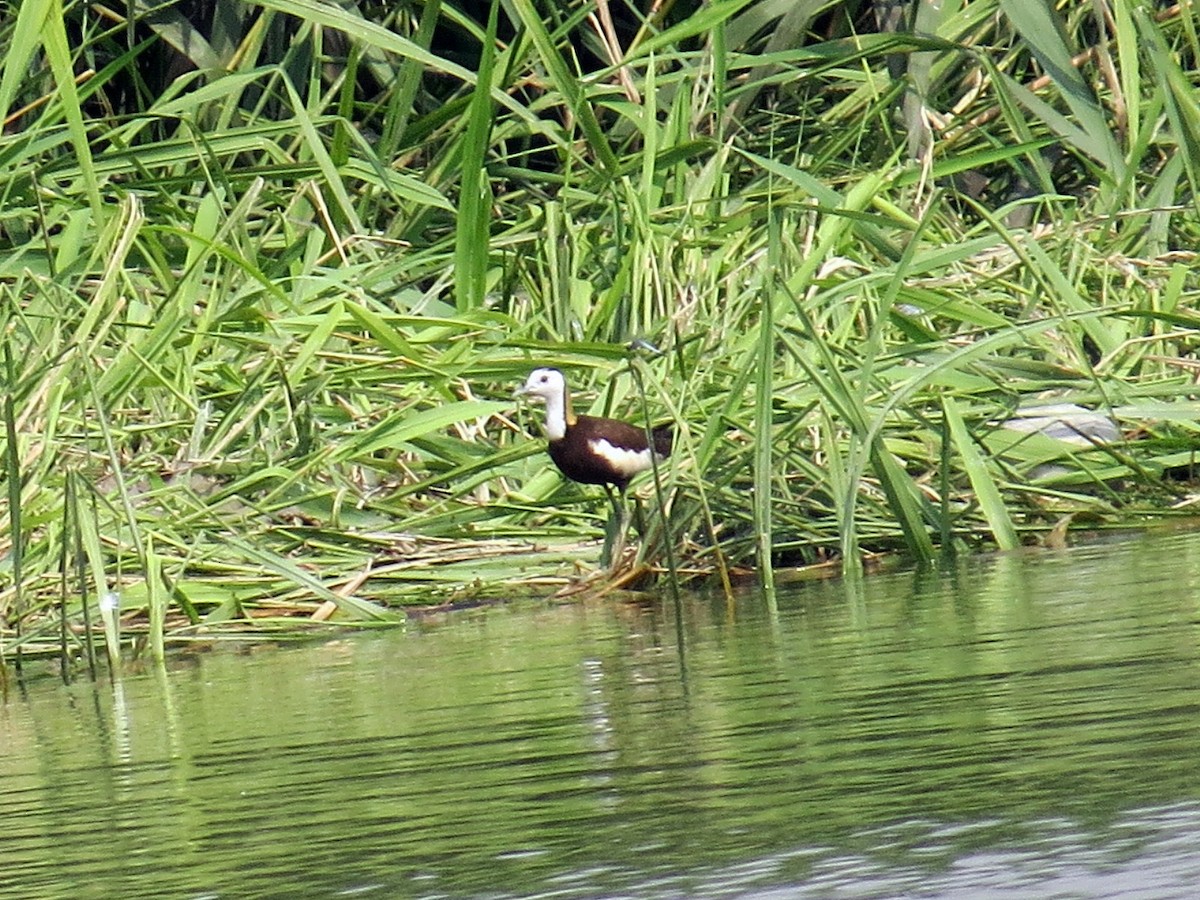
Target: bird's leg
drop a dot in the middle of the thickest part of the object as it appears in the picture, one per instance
(622, 517)
(639, 516)
(610, 532)
(616, 530)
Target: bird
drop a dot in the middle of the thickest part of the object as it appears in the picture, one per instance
(595, 449)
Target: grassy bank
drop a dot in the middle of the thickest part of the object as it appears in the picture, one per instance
(267, 290)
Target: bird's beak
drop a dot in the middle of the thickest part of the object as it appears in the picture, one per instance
(520, 392)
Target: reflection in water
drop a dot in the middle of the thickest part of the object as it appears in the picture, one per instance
(1021, 726)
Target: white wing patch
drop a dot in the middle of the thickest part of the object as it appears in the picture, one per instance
(625, 461)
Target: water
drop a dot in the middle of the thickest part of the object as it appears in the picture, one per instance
(1025, 726)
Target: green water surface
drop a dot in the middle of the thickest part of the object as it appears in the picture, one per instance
(1020, 726)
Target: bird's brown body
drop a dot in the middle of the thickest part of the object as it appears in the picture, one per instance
(597, 450)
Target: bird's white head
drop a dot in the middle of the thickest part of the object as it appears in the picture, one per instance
(545, 383)
(551, 386)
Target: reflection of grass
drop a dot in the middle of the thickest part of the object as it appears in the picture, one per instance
(263, 323)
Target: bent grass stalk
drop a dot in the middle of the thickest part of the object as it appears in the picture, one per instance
(12, 466)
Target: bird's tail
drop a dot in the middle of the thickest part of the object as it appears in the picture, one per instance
(662, 438)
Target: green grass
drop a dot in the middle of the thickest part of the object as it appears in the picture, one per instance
(263, 311)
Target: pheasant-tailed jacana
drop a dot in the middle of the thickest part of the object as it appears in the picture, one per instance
(595, 450)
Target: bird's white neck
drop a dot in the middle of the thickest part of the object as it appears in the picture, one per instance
(556, 416)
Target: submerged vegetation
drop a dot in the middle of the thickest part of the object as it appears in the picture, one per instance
(272, 271)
